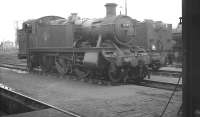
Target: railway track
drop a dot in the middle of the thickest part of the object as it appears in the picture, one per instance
(159, 72)
(13, 66)
(162, 85)
(146, 83)
(166, 73)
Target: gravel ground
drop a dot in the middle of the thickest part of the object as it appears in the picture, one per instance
(92, 100)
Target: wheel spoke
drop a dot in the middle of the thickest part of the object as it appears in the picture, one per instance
(61, 66)
(80, 73)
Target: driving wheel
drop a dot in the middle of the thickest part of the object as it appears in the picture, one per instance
(61, 66)
(115, 74)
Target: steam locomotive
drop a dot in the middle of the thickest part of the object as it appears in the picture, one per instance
(101, 48)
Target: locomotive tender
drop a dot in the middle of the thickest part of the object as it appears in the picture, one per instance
(100, 48)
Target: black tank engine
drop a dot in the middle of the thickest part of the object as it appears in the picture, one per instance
(95, 48)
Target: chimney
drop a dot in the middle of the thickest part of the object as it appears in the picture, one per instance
(110, 9)
(169, 26)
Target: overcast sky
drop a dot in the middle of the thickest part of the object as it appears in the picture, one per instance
(12, 11)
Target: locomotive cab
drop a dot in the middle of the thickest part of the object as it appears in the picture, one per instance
(22, 36)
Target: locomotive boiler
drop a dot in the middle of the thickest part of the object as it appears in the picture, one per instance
(119, 29)
(100, 48)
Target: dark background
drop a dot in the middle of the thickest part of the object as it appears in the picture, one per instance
(191, 44)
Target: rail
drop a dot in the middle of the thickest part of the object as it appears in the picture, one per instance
(146, 83)
(27, 99)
